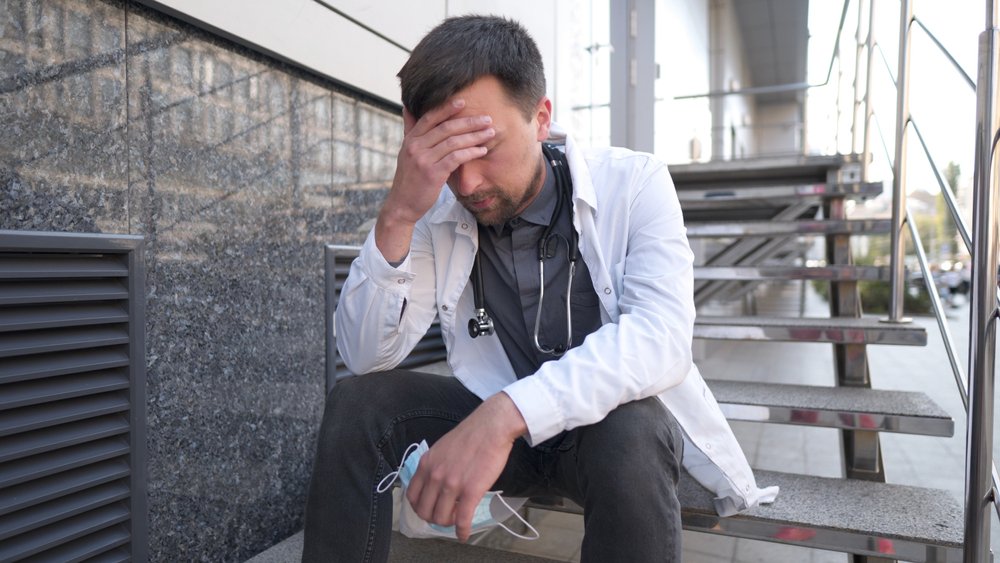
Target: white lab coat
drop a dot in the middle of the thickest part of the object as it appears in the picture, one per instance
(633, 241)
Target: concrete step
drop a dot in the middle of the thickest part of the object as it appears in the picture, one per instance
(795, 329)
(835, 272)
(405, 550)
(862, 517)
(849, 408)
(729, 196)
(765, 202)
(793, 168)
(786, 228)
(848, 515)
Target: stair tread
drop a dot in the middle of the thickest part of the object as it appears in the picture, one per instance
(727, 192)
(813, 511)
(892, 511)
(833, 272)
(839, 330)
(852, 399)
(779, 228)
(813, 167)
(839, 322)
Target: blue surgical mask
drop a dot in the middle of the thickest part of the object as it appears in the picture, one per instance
(491, 510)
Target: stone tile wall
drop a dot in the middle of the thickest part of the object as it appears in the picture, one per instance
(236, 169)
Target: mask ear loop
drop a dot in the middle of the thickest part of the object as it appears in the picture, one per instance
(382, 485)
(519, 517)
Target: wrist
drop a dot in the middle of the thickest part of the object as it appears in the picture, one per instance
(393, 234)
(502, 410)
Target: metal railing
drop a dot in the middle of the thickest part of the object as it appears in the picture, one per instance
(980, 488)
(981, 479)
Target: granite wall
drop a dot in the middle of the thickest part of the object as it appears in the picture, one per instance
(237, 169)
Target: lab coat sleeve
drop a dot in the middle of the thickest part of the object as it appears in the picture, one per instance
(384, 311)
(648, 349)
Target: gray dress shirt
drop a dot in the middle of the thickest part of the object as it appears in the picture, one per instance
(509, 256)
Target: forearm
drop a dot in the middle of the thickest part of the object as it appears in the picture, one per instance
(393, 232)
(383, 310)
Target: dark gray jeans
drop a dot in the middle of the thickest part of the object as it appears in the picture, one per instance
(623, 470)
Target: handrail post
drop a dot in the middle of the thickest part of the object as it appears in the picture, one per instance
(866, 151)
(899, 165)
(856, 101)
(979, 491)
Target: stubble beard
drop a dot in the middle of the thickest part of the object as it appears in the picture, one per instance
(505, 208)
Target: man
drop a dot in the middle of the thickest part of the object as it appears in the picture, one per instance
(577, 393)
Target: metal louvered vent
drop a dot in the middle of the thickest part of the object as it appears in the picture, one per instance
(72, 398)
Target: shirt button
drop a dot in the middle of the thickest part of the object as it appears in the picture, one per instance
(708, 446)
(465, 226)
(444, 307)
(400, 281)
(607, 291)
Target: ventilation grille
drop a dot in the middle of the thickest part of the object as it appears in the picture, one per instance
(72, 477)
(429, 350)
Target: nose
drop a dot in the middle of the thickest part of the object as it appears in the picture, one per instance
(465, 180)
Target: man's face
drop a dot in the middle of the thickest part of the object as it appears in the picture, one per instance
(500, 185)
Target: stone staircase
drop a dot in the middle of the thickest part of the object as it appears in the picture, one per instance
(748, 222)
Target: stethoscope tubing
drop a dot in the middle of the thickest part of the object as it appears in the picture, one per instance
(482, 324)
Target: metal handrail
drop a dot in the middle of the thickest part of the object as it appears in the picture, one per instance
(896, 244)
(946, 191)
(979, 488)
(949, 344)
(981, 482)
(949, 196)
(778, 88)
(947, 53)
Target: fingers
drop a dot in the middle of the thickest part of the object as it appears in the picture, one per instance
(432, 494)
(439, 125)
(456, 150)
(454, 135)
(464, 511)
(434, 146)
(436, 498)
(437, 115)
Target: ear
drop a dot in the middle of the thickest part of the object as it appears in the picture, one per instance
(543, 118)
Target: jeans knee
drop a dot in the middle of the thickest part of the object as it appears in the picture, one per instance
(351, 409)
(637, 442)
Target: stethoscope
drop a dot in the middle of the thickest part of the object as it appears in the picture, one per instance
(482, 324)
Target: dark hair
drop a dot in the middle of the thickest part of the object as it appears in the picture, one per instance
(463, 49)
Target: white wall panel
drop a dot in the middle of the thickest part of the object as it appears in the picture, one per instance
(366, 56)
(403, 22)
(303, 32)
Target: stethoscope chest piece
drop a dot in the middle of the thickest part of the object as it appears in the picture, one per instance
(481, 324)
